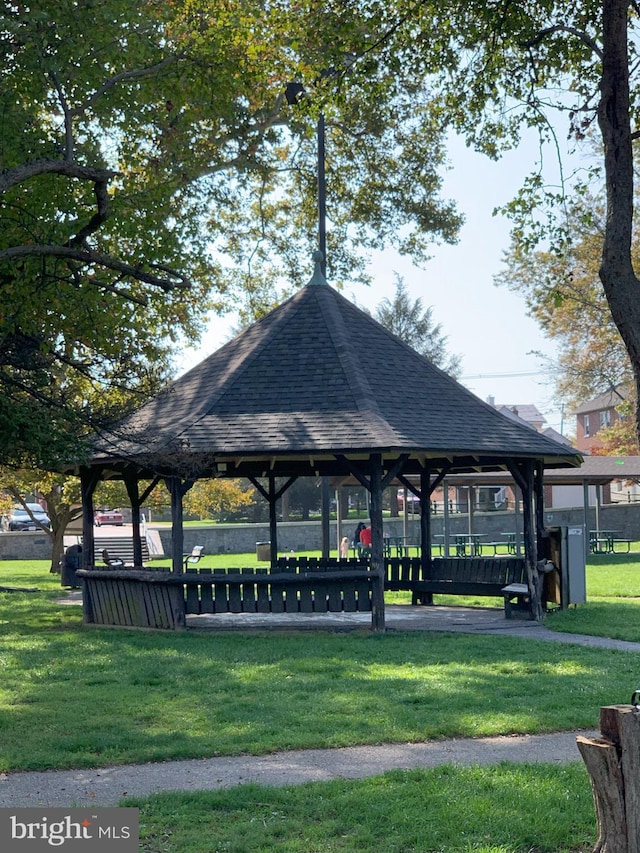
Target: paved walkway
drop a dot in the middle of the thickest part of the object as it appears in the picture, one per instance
(106, 786)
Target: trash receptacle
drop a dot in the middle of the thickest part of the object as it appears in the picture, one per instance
(263, 551)
(71, 561)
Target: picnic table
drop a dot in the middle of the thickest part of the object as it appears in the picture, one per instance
(400, 544)
(465, 544)
(469, 543)
(512, 545)
(601, 541)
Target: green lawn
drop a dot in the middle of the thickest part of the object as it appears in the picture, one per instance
(199, 693)
(504, 809)
(613, 600)
(76, 696)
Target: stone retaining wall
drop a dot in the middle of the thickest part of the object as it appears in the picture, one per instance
(25, 545)
(307, 536)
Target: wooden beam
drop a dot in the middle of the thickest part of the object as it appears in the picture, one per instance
(131, 484)
(89, 479)
(177, 489)
(377, 545)
(523, 474)
(395, 471)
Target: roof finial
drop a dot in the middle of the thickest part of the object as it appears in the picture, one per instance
(318, 277)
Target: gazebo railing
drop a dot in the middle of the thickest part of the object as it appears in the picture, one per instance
(161, 599)
(476, 576)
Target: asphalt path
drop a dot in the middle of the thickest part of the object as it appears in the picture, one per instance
(108, 785)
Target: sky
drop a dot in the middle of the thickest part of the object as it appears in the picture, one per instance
(484, 324)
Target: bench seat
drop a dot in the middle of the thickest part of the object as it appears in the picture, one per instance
(475, 576)
(516, 596)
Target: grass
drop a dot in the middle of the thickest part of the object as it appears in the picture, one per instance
(99, 696)
(613, 600)
(457, 810)
(73, 696)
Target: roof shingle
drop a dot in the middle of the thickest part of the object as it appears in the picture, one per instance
(316, 375)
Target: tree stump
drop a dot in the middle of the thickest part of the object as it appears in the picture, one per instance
(613, 764)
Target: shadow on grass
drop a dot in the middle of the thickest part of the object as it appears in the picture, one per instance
(99, 696)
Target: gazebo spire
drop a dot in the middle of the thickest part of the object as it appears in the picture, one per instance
(318, 276)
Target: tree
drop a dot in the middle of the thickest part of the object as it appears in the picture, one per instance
(619, 439)
(303, 497)
(215, 498)
(103, 261)
(414, 325)
(564, 294)
(142, 144)
(495, 69)
(61, 496)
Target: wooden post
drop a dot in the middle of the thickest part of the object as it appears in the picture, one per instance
(538, 489)
(325, 520)
(177, 489)
(273, 521)
(88, 482)
(131, 484)
(377, 545)
(523, 474)
(613, 764)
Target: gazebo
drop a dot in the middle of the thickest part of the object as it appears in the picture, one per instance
(318, 388)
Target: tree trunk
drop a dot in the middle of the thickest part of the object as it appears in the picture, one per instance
(57, 551)
(613, 764)
(621, 286)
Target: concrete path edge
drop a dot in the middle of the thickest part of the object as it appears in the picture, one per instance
(108, 785)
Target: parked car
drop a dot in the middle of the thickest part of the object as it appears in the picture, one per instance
(108, 516)
(412, 501)
(19, 518)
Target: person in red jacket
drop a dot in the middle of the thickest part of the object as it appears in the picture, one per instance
(365, 540)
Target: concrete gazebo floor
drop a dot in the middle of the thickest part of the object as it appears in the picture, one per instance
(399, 617)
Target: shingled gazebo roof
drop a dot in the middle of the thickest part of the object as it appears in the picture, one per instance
(315, 380)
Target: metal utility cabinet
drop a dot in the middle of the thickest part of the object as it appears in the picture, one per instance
(566, 552)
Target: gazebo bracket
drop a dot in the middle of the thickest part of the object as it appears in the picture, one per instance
(149, 489)
(276, 494)
(395, 470)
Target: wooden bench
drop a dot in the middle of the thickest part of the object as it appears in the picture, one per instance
(162, 599)
(497, 577)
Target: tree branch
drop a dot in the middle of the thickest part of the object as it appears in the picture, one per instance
(99, 217)
(12, 177)
(86, 256)
(548, 31)
(68, 122)
(124, 76)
